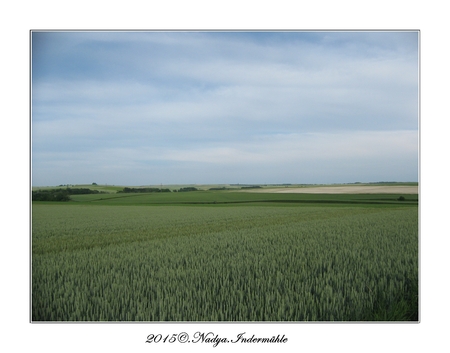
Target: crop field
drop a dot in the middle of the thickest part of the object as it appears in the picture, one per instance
(354, 189)
(225, 256)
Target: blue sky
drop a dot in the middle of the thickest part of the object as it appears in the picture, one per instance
(146, 108)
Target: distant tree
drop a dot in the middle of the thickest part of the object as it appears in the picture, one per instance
(401, 198)
(61, 196)
(94, 183)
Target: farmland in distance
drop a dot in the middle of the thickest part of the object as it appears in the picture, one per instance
(225, 256)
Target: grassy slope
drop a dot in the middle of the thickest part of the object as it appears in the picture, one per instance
(230, 197)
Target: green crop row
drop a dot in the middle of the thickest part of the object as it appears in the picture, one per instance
(139, 263)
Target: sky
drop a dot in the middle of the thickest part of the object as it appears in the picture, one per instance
(225, 107)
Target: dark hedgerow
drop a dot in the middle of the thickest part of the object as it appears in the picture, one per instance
(189, 188)
(60, 194)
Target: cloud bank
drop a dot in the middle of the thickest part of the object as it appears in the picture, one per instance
(142, 108)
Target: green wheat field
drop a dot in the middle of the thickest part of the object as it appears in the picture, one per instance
(225, 255)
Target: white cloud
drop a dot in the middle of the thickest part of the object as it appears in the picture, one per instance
(200, 99)
(293, 148)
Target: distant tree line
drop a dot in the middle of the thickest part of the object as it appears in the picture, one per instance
(50, 195)
(143, 190)
(83, 191)
(189, 188)
(251, 187)
(60, 194)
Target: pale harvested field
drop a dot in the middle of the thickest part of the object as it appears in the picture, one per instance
(351, 189)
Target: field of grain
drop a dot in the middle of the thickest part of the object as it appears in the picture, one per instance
(150, 258)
